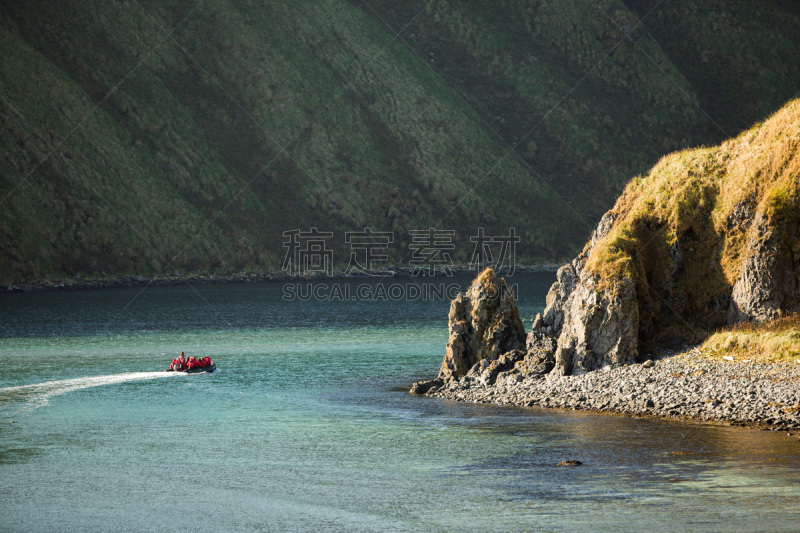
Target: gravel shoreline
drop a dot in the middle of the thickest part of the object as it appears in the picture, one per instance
(684, 386)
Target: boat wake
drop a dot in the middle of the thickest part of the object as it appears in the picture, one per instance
(39, 394)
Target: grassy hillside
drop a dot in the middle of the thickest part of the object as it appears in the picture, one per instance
(738, 56)
(682, 231)
(594, 92)
(140, 137)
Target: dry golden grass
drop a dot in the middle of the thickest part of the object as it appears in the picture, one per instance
(774, 341)
(687, 189)
(484, 278)
(681, 231)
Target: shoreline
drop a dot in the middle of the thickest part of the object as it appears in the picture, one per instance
(682, 386)
(110, 282)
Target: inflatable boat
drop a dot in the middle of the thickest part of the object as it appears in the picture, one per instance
(209, 369)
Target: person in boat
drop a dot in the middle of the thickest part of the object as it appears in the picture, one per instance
(183, 363)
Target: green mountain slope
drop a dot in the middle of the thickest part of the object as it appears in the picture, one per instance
(594, 92)
(139, 137)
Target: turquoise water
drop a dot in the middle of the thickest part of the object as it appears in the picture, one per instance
(305, 427)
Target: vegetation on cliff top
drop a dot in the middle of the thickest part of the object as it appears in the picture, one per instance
(143, 137)
(682, 231)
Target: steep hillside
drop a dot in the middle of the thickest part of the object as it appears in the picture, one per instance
(594, 92)
(738, 56)
(141, 137)
(131, 147)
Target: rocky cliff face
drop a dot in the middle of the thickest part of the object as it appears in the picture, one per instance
(768, 286)
(593, 328)
(708, 238)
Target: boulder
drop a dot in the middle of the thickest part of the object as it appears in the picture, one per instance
(486, 371)
(424, 387)
(540, 351)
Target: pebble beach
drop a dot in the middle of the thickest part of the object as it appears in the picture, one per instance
(684, 386)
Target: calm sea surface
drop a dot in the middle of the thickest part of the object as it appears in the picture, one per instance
(304, 427)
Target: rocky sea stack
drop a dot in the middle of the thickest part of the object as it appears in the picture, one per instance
(709, 238)
(485, 331)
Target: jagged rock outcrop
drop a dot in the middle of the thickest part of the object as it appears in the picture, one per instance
(582, 328)
(484, 325)
(593, 327)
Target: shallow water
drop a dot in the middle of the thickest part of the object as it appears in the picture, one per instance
(305, 427)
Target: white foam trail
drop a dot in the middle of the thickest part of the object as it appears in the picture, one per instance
(39, 394)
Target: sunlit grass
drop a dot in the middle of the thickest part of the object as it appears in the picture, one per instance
(683, 230)
(774, 341)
